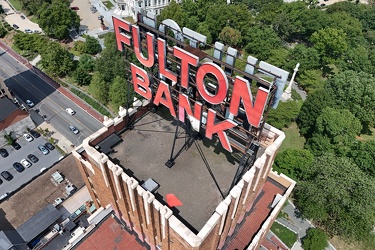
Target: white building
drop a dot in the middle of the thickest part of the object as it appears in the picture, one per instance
(130, 8)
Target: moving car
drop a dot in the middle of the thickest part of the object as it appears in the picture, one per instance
(3, 152)
(16, 146)
(74, 129)
(33, 158)
(17, 166)
(49, 146)
(43, 149)
(28, 137)
(29, 103)
(70, 111)
(34, 133)
(26, 163)
(6, 175)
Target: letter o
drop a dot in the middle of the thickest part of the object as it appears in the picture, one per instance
(222, 81)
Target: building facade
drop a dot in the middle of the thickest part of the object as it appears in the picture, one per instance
(156, 224)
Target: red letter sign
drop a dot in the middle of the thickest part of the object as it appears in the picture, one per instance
(163, 89)
(242, 90)
(222, 82)
(150, 48)
(212, 128)
(162, 58)
(120, 37)
(142, 83)
(184, 105)
(186, 60)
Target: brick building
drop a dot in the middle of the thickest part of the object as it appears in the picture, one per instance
(117, 179)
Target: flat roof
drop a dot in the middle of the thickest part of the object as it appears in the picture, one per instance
(110, 234)
(7, 108)
(199, 186)
(38, 194)
(39, 223)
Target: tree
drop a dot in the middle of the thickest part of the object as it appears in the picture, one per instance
(339, 127)
(354, 91)
(338, 196)
(311, 109)
(230, 36)
(82, 76)
(293, 163)
(110, 64)
(330, 43)
(262, 41)
(173, 11)
(57, 18)
(32, 6)
(285, 114)
(118, 93)
(315, 239)
(56, 59)
(362, 153)
(92, 46)
(99, 88)
(86, 62)
(310, 80)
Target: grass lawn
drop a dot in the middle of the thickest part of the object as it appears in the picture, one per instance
(108, 4)
(16, 4)
(368, 137)
(293, 139)
(287, 236)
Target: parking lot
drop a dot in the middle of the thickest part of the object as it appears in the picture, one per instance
(89, 20)
(21, 178)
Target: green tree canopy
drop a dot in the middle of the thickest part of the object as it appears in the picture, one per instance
(362, 153)
(338, 196)
(230, 36)
(56, 59)
(118, 93)
(315, 239)
(57, 18)
(99, 88)
(92, 46)
(354, 91)
(330, 43)
(285, 114)
(339, 127)
(293, 163)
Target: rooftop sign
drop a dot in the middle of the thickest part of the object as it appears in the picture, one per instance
(234, 92)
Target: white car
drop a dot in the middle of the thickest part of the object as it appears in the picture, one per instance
(28, 137)
(28, 31)
(29, 103)
(25, 163)
(70, 111)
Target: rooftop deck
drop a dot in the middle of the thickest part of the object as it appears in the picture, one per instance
(145, 150)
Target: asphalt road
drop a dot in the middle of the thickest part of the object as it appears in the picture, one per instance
(49, 103)
(6, 164)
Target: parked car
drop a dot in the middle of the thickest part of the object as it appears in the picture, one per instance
(16, 146)
(70, 111)
(33, 158)
(43, 149)
(3, 152)
(29, 103)
(74, 8)
(15, 26)
(49, 146)
(25, 163)
(74, 129)
(6, 175)
(28, 31)
(28, 137)
(100, 17)
(18, 167)
(34, 133)
(22, 17)
(1, 181)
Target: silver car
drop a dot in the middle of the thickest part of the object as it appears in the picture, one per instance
(43, 149)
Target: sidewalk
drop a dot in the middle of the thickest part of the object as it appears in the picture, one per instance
(62, 142)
